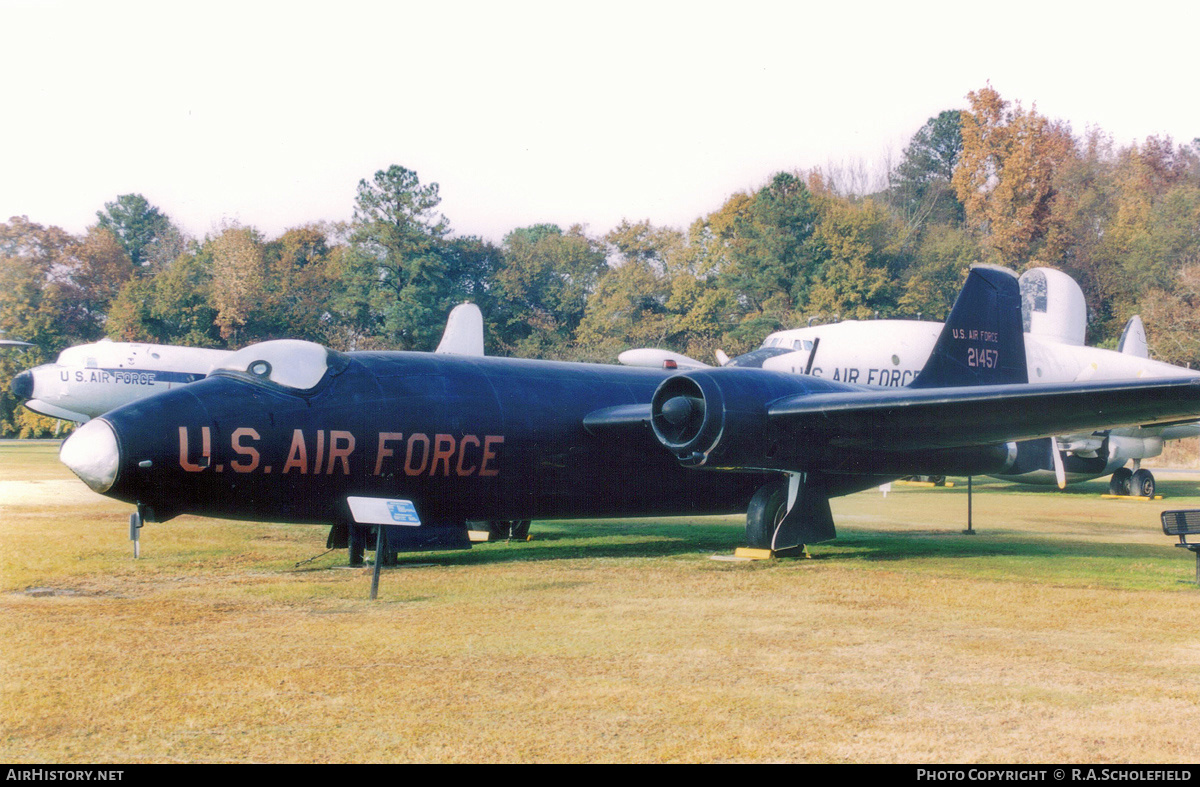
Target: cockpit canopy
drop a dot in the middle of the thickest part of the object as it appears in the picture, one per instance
(289, 363)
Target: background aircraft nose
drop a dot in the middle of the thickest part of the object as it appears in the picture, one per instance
(93, 455)
(22, 385)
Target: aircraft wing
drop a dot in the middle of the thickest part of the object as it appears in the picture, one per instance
(731, 418)
(956, 417)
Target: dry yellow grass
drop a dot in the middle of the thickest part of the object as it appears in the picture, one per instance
(1061, 633)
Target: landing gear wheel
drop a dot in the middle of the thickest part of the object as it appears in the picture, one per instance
(767, 509)
(1142, 484)
(1119, 484)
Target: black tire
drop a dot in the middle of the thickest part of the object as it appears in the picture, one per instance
(766, 509)
(1119, 484)
(520, 529)
(1142, 484)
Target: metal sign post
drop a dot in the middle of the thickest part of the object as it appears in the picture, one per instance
(378, 561)
(970, 531)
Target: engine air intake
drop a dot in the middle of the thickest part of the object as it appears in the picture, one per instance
(678, 412)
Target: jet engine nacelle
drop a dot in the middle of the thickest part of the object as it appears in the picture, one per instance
(1121, 449)
(719, 418)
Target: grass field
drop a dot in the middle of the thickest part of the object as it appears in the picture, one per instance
(1061, 632)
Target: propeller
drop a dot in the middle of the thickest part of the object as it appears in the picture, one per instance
(1060, 474)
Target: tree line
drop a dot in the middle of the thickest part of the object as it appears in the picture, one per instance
(993, 183)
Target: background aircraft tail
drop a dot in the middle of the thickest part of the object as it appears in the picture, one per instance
(1133, 339)
(464, 331)
(982, 342)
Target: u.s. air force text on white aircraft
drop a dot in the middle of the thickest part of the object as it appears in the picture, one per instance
(106, 376)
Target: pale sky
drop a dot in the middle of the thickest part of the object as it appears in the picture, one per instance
(270, 113)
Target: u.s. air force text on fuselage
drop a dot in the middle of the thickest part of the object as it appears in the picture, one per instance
(329, 451)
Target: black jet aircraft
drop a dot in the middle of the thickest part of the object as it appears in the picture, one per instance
(288, 431)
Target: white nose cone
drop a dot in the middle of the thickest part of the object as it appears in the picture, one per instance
(92, 454)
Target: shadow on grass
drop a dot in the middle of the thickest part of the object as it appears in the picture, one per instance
(589, 540)
(1168, 486)
(865, 545)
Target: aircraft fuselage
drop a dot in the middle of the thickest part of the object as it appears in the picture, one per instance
(463, 438)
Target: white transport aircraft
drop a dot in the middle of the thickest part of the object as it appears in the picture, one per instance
(88, 380)
(890, 353)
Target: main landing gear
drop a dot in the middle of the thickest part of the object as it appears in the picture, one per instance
(509, 529)
(1138, 483)
(771, 525)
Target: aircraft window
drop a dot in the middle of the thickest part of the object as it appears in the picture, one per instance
(1033, 295)
(808, 344)
(796, 345)
(286, 362)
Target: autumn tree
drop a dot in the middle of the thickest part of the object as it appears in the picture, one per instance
(174, 306)
(936, 273)
(101, 269)
(630, 307)
(1005, 176)
(853, 242)
(239, 281)
(545, 282)
(39, 303)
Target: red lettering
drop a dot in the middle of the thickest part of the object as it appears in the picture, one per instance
(244, 450)
(462, 454)
(443, 451)
(489, 455)
(205, 446)
(408, 459)
(342, 454)
(297, 454)
(384, 451)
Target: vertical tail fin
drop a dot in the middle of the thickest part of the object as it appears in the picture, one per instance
(1133, 339)
(464, 331)
(982, 342)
